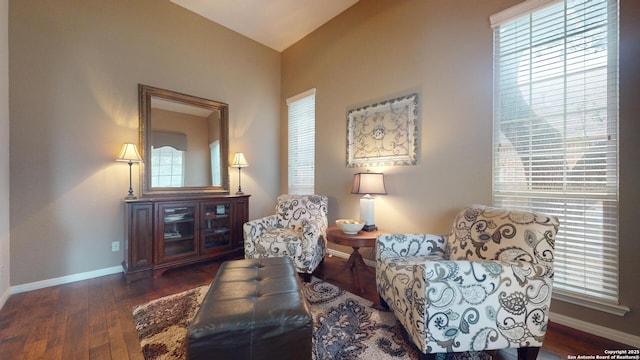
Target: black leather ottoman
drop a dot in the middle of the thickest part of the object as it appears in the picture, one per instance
(255, 309)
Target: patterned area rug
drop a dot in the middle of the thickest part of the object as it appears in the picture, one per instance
(346, 326)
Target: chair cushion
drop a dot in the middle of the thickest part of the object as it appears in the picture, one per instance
(486, 233)
(279, 242)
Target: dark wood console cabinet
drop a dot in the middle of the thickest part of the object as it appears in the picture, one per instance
(164, 233)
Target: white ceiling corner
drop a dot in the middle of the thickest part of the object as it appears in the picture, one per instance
(277, 24)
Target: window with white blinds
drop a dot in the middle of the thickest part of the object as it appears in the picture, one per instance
(302, 135)
(555, 134)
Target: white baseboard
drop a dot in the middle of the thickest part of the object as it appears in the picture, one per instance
(343, 255)
(64, 279)
(337, 253)
(597, 330)
(589, 328)
(5, 297)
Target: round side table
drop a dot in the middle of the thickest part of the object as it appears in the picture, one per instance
(362, 239)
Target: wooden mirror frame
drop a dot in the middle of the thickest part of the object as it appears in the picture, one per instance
(145, 94)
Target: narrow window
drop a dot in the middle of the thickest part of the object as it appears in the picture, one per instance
(302, 134)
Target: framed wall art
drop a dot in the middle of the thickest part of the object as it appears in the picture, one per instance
(383, 134)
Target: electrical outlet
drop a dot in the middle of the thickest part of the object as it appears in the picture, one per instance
(115, 246)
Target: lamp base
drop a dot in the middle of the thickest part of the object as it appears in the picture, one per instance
(370, 228)
(239, 192)
(130, 197)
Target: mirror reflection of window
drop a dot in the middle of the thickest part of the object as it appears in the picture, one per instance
(167, 167)
(216, 174)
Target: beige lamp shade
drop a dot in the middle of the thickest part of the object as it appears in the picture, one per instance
(239, 161)
(369, 183)
(129, 152)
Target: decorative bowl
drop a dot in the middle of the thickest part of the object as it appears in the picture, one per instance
(350, 226)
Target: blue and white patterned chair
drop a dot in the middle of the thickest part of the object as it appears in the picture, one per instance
(485, 286)
(297, 230)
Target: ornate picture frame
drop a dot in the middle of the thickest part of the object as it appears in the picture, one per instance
(383, 134)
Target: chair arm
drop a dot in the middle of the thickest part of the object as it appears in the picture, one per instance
(404, 245)
(255, 228)
(313, 229)
(459, 300)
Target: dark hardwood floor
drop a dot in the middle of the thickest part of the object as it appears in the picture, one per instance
(92, 319)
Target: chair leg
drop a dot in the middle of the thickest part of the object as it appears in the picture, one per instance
(306, 277)
(422, 356)
(528, 353)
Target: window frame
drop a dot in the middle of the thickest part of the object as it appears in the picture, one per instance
(500, 196)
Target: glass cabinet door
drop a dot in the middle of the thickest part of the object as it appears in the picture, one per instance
(215, 227)
(178, 229)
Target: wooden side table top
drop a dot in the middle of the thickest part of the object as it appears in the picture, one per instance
(361, 239)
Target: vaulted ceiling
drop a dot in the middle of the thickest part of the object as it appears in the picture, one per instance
(277, 24)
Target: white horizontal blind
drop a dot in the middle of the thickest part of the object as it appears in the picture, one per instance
(167, 167)
(302, 134)
(555, 134)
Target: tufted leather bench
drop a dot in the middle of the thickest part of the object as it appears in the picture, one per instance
(254, 309)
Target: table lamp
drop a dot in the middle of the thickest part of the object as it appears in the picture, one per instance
(239, 162)
(368, 184)
(129, 153)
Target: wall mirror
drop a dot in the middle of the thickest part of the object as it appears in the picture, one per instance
(184, 143)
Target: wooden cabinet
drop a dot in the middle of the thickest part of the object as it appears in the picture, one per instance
(218, 226)
(176, 231)
(165, 233)
(138, 246)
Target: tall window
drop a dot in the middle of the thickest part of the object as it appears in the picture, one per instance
(555, 134)
(302, 134)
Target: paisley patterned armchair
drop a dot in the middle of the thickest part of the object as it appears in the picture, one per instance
(484, 286)
(297, 230)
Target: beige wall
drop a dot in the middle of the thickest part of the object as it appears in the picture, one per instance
(75, 67)
(442, 50)
(4, 151)
(379, 50)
